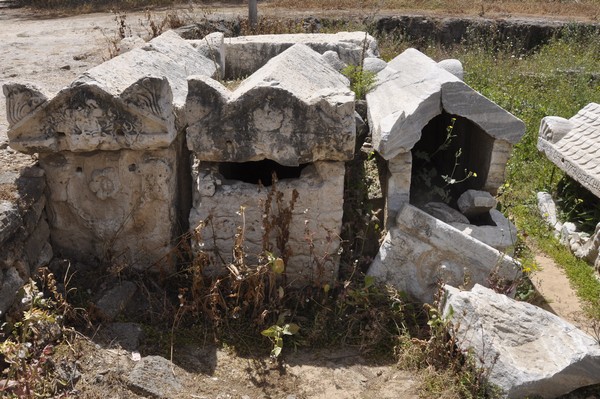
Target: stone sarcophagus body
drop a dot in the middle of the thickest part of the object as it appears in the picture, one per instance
(110, 148)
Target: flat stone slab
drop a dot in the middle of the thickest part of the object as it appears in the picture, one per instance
(528, 351)
(421, 251)
(574, 145)
(294, 110)
(246, 54)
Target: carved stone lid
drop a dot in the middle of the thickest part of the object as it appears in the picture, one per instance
(413, 89)
(127, 102)
(574, 145)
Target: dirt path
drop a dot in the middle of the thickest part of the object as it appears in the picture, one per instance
(552, 283)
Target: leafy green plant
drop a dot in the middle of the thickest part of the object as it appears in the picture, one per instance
(361, 80)
(277, 331)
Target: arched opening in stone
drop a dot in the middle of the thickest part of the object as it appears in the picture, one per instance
(452, 156)
(262, 172)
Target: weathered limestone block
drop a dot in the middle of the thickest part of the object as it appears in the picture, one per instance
(501, 234)
(10, 220)
(115, 300)
(314, 228)
(333, 59)
(422, 251)
(527, 350)
(374, 64)
(125, 103)
(444, 212)
(296, 109)
(576, 151)
(10, 283)
(476, 202)
(112, 205)
(547, 209)
(246, 54)
(212, 47)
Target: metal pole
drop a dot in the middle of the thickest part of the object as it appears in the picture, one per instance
(252, 13)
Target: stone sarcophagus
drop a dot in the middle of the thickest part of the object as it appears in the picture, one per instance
(412, 106)
(292, 121)
(110, 148)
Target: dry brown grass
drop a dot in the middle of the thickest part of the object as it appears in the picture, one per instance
(584, 9)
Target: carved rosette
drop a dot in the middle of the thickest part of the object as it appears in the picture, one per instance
(104, 183)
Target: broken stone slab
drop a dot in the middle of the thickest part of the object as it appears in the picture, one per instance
(577, 150)
(333, 59)
(547, 209)
(501, 236)
(294, 110)
(422, 251)
(445, 213)
(246, 54)
(212, 47)
(115, 300)
(154, 376)
(526, 350)
(127, 102)
(474, 203)
(129, 43)
(413, 89)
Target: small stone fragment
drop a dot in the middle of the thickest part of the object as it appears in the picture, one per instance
(115, 300)
(473, 203)
(153, 376)
(373, 64)
(453, 66)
